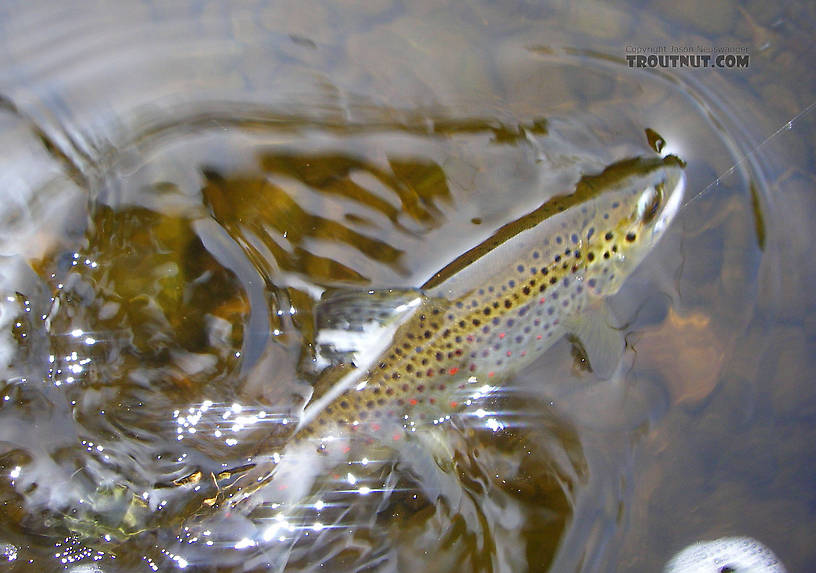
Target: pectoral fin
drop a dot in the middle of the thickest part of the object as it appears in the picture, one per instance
(597, 332)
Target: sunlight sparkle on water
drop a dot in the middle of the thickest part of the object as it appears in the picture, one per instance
(494, 424)
(245, 543)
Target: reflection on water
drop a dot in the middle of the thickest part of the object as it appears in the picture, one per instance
(176, 205)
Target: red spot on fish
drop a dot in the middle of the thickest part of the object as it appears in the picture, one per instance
(432, 400)
(375, 427)
(454, 404)
(490, 374)
(395, 437)
(412, 402)
(453, 371)
(541, 300)
(524, 353)
(509, 353)
(282, 487)
(346, 449)
(502, 335)
(539, 337)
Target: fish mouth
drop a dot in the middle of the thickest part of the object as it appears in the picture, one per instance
(675, 184)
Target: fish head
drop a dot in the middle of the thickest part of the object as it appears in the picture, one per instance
(630, 218)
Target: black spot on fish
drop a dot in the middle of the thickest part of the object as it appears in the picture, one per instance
(608, 236)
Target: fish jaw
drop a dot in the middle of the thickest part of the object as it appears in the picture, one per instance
(630, 234)
(676, 183)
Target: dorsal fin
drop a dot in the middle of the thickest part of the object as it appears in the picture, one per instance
(350, 322)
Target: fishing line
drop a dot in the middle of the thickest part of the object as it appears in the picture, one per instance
(788, 125)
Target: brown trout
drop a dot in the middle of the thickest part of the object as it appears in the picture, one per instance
(488, 314)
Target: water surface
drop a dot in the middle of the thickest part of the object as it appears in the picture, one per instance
(181, 183)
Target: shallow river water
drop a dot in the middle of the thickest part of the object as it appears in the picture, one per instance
(182, 182)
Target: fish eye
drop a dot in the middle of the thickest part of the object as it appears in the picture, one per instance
(649, 203)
